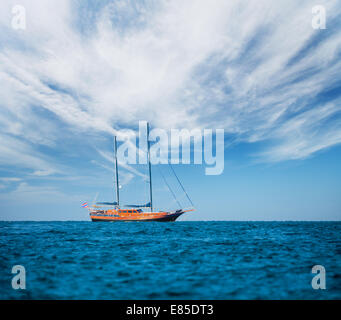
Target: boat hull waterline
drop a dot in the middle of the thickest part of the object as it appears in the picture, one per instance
(145, 216)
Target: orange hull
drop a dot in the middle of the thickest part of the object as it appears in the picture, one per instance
(134, 215)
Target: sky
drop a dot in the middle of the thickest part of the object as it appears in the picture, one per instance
(83, 71)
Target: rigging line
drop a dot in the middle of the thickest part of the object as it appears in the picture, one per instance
(189, 199)
(169, 188)
(95, 199)
(146, 183)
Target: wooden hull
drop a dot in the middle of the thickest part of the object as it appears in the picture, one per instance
(154, 216)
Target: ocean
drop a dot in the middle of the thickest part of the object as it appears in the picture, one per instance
(179, 260)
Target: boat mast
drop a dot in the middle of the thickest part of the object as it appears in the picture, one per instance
(116, 174)
(150, 171)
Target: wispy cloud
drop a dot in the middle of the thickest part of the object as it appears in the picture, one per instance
(28, 194)
(18, 153)
(109, 157)
(258, 70)
(10, 179)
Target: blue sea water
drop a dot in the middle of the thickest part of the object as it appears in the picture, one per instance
(181, 260)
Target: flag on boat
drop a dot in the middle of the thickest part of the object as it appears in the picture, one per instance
(85, 205)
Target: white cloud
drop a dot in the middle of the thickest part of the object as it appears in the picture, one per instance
(42, 173)
(10, 179)
(29, 194)
(109, 157)
(177, 64)
(20, 154)
(305, 134)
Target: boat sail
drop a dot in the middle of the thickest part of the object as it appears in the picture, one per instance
(112, 211)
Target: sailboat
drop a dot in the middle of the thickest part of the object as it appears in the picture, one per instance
(112, 211)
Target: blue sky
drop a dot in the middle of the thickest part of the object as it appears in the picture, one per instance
(84, 69)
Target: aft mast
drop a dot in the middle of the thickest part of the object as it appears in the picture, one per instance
(150, 171)
(116, 174)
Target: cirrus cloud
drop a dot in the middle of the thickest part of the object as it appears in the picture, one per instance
(257, 69)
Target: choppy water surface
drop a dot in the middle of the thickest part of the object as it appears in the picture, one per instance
(181, 260)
